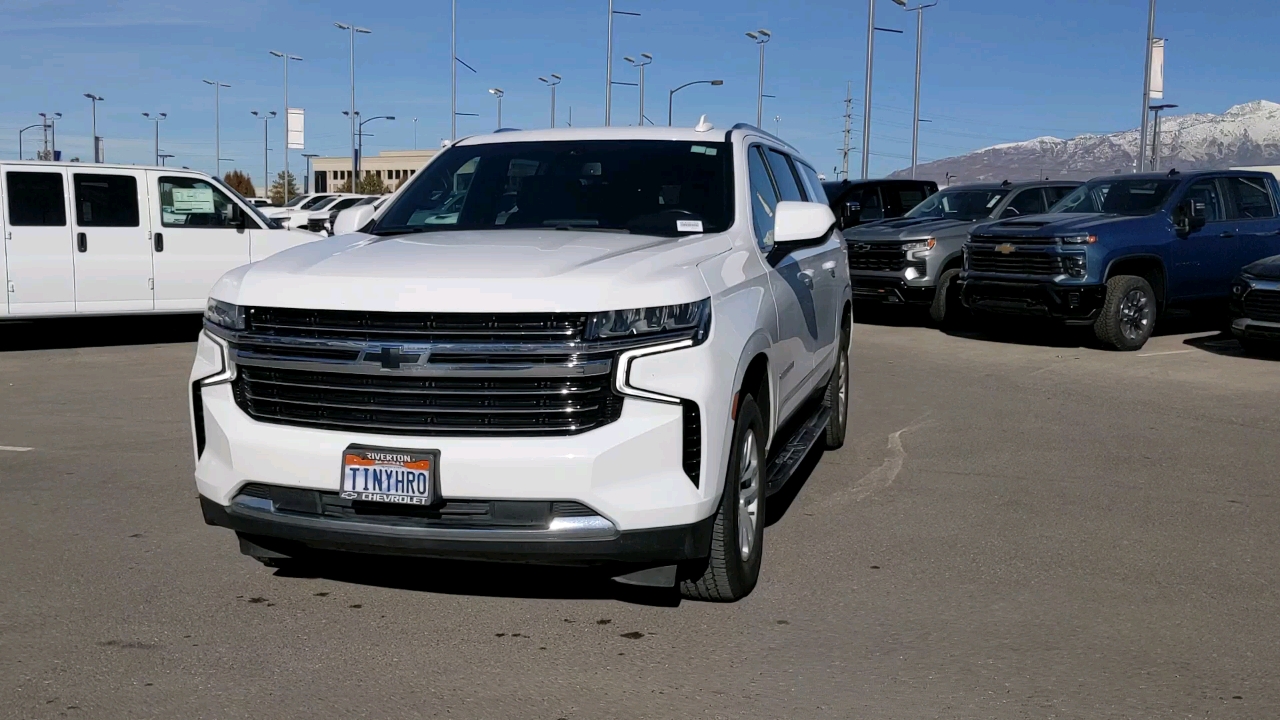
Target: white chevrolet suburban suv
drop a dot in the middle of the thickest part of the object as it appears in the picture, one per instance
(583, 346)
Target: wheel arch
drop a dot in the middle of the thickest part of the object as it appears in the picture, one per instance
(1146, 266)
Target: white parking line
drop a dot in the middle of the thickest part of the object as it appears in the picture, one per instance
(1167, 352)
(10, 448)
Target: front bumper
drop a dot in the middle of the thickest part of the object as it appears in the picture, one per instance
(893, 290)
(1256, 329)
(282, 528)
(1073, 304)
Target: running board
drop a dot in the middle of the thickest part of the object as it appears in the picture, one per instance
(783, 465)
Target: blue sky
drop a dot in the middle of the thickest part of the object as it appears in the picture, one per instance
(994, 70)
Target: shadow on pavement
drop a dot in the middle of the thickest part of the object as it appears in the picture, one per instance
(83, 332)
(485, 579)
(777, 505)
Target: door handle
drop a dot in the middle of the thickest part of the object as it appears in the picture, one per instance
(159, 242)
(82, 242)
(806, 277)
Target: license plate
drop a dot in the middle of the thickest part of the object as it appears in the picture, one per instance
(405, 477)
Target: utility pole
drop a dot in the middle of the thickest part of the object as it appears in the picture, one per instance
(1146, 86)
(848, 127)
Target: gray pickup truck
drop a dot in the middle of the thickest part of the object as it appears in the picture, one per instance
(915, 258)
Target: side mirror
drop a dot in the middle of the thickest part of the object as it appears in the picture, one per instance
(799, 224)
(353, 218)
(1189, 215)
(850, 214)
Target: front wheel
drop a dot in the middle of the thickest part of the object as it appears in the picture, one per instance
(731, 571)
(837, 396)
(946, 307)
(1128, 315)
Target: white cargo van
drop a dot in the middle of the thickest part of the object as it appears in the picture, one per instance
(118, 239)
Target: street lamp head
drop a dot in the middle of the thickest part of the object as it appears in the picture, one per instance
(497, 92)
(364, 31)
(629, 59)
(753, 36)
(391, 117)
(557, 77)
(342, 26)
(717, 82)
(271, 114)
(765, 33)
(164, 115)
(646, 56)
(276, 54)
(902, 3)
(57, 115)
(95, 98)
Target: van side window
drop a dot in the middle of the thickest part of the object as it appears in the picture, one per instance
(1206, 191)
(763, 197)
(1251, 199)
(36, 199)
(187, 202)
(106, 200)
(784, 177)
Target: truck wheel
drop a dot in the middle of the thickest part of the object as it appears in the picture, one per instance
(837, 397)
(946, 306)
(731, 571)
(1128, 314)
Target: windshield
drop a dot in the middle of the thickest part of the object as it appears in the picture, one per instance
(295, 202)
(313, 202)
(269, 223)
(1124, 196)
(959, 204)
(651, 187)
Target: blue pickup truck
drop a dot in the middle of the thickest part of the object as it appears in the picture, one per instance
(1118, 251)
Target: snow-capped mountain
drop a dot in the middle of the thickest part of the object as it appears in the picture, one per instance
(1247, 134)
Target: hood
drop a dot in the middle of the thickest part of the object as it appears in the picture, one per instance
(1057, 225)
(480, 271)
(906, 229)
(1264, 269)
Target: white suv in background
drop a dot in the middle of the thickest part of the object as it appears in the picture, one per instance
(610, 350)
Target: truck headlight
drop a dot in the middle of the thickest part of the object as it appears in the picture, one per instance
(1080, 240)
(224, 315)
(920, 247)
(691, 320)
(1077, 266)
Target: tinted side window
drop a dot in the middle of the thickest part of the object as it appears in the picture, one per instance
(1206, 191)
(1027, 202)
(763, 197)
(872, 208)
(1054, 194)
(816, 191)
(344, 204)
(187, 202)
(106, 200)
(36, 199)
(784, 176)
(899, 199)
(1250, 198)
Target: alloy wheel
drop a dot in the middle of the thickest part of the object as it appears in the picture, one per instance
(748, 495)
(1136, 314)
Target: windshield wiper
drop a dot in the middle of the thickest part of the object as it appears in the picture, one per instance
(589, 228)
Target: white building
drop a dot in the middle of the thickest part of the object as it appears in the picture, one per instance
(391, 166)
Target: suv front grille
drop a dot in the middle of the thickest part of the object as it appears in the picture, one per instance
(1017, 262)
(880, 258)
(409, 404)
(358, 326)
(1262, 305)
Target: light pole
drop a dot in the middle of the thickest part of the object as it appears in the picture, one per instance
(360, 136)
(355, 157)
(671, 93)
(1146, 85)
(866, 92)
(498, 93)
(156, 119)
(761, 37)
(217, 125)
(552, 83)
(163, 157)
(1155, 134)
(454, 62)
(915, 125)
(266, 173)
(608, 63)
(777, 126)
(306, 179)
(95, 99)
(645, 59)
(37, 125)
(285, 57)
(50, 121)
(415, 133)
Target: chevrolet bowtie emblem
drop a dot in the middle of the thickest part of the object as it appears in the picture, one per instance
(391, 357)
(1004, 249)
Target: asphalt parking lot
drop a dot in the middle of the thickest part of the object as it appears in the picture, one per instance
(1018, 527)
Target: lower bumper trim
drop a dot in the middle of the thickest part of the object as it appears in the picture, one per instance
(290, 535)
(1073, 304)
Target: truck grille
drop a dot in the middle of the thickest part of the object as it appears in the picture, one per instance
(414, 405)
(1018, 262)
(880, 258)
(358, 326)
(1262, 305)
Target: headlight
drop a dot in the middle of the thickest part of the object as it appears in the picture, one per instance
(920, 245)
(224, 315)
(1077, 265)
(688, 319)
(1080, 240)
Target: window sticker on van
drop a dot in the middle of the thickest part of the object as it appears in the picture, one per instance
(190, 201)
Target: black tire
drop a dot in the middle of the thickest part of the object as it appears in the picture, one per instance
(725, 576)
(946, 308)
(837, 396)
(1128, 315)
